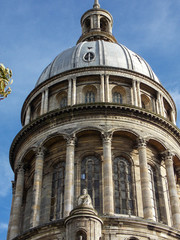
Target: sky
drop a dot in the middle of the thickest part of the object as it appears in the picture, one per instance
(33, 33)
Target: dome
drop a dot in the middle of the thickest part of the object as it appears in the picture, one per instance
(97, 53)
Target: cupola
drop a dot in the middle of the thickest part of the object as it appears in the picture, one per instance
(97, 24)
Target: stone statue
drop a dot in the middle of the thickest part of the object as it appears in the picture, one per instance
(84, 199)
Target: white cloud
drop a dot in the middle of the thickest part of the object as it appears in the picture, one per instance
(3, 226)
(6, 176)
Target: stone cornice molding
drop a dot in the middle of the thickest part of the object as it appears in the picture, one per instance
(82, 110)
(117, 222)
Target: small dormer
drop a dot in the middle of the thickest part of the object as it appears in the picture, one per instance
(96, 24)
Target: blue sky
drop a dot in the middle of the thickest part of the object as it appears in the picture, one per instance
(34, 32)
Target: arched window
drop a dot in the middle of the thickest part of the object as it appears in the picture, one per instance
(154, 193)
(87, 25)
(89, 97)
(63, 102)
(104, 25)
(90, 179)
(143, 105)
(57, 195)
(123, 186)
(117, 97)
(146, 102)
(81, 235)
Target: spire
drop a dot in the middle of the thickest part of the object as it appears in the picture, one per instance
(96, 4)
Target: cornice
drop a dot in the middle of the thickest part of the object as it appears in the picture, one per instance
(69, 114)
(118, 222)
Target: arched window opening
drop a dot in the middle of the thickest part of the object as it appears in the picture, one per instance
(57, 195)
(89, 97)
(155, 200)
(146, 102)
(81, 235)
(87, 25)
(117, 97)
(123, 186)
(63, 102)
(104, 25)
(90, 179)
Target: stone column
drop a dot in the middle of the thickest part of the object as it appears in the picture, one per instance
(162, 106)
(102, 89)
(145, 182)
(107, 87)
(74, 92)
(135, 93)
(69, 176)
(139, 94)
(174, 200)
(69, 91)
(28, 116)
(159, 103)
(46, 100)
(157, 107)
(37, 188)
(107, 174)
(173, 119)
(42, 104)
(17, 204)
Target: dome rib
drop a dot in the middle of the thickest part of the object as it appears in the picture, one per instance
(106, 54)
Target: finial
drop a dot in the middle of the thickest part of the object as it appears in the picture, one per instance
(96, 4)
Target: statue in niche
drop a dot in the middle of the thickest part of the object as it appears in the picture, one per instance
(84, 199)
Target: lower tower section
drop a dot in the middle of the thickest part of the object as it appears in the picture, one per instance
(83, 222)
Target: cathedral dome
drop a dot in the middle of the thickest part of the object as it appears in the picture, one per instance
(95, 54)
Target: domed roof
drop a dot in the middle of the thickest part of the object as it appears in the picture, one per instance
(97, 53)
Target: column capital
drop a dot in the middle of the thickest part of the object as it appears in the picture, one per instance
(40, 151)
(70, 140)
(20, 168)
(142, 142)
(107, 136)
(167, 156)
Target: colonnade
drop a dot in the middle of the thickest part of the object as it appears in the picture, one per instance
(108, 201)
(104, 97)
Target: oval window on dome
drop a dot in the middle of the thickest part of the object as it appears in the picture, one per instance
(89, 57)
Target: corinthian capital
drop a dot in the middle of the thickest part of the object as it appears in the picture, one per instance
(142, 142)
(167, 156)
(107, 136)
(20, 168)
(70, 140)
(40, 151)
